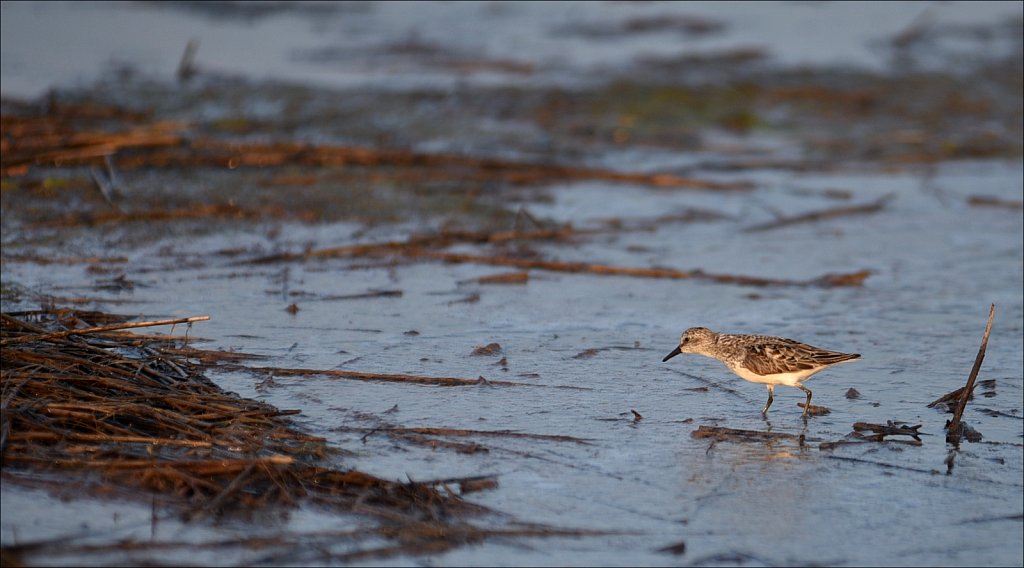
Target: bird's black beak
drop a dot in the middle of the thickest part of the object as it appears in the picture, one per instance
(674, 352)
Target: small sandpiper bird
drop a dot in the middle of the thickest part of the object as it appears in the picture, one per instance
(762, 358)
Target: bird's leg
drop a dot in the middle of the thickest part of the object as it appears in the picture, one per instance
(771, 390)
(807, 405)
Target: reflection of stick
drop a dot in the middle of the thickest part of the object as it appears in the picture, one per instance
(953, 430)
(825, 214)
(59, 334)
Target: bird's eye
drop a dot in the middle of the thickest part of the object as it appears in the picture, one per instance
(686, 340)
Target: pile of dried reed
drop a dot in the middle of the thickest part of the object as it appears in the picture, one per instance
(129, 411)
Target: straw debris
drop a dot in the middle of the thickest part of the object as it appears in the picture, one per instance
(125, 413)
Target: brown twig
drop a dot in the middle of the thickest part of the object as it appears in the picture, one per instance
(814, 216)
(99, 329)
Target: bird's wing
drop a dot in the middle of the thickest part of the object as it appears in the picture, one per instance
(777, 357)
(788, 356)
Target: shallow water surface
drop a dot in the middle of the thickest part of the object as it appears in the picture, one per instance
(587, 351)
(583, 350)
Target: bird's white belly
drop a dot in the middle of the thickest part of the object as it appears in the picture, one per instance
(788, 379)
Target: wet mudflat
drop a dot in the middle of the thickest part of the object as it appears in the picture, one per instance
(479, 283)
